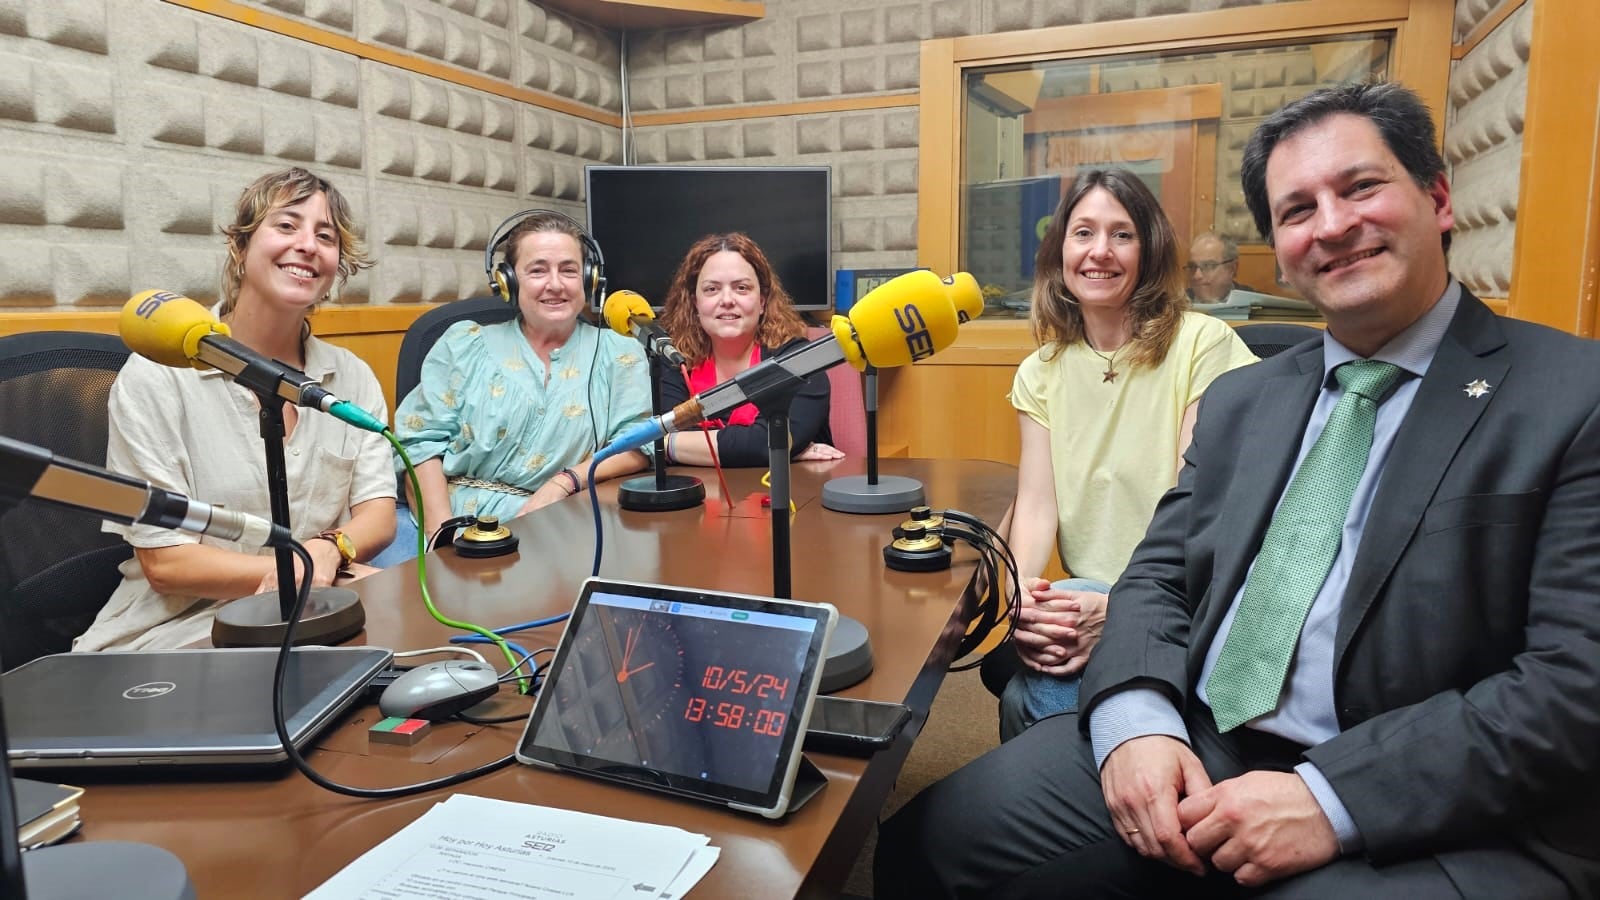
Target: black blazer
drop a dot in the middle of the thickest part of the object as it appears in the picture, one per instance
(746, 445)
(1467, 656)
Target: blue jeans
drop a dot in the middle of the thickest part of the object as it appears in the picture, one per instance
(1031, 696)
(404, 545)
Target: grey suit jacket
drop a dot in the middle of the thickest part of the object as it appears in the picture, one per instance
(1467, 658)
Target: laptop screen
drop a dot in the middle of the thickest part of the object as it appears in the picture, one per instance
(705, 692)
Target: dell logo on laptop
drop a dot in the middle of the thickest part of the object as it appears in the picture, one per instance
(149, 690)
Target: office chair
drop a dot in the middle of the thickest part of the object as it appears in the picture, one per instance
(430, 326)
(57, 568)
(847, 406)
(414, 347)
(1271, 338)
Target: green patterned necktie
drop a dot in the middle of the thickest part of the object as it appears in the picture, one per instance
(1297, 552)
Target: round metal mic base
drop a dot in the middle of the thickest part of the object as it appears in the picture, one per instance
(853, 494)
(643, 495)
(332, 615)
(103, 868)
(849, 656)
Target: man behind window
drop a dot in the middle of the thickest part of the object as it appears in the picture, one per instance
(1212, 267)
(1358, 651)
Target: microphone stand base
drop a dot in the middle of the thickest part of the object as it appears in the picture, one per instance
(137, 872)
(854, 494)
(679, 492)
(332, 615)
(849, 656)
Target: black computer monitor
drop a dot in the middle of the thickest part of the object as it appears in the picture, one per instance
(647, 217)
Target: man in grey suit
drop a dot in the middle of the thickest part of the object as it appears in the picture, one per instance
(1386, 688)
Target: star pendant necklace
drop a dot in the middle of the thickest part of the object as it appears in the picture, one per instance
(1111, 373)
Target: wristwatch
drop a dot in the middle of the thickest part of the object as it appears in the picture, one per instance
(347, 549)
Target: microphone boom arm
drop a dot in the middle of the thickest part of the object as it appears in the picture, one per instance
(786, 374)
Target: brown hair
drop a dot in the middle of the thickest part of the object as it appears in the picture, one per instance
(779, 322)
(1157, 303)
(272, 192)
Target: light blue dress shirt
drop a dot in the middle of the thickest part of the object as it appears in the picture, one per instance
(1306, 712)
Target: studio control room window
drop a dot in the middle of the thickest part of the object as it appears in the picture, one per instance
(1179, 120)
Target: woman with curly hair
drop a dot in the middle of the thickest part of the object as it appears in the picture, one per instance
(726, 311)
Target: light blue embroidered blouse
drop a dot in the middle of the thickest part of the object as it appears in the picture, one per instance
(487, 404)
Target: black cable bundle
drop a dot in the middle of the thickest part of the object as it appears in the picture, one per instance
(998, 598)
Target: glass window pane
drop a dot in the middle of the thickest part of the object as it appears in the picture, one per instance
(1178, 119)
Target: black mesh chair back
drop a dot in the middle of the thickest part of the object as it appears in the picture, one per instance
(57, 568)
(424, 333)
(430, 326)
(1271, 338)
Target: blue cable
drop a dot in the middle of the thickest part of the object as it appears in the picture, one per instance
(594, 503)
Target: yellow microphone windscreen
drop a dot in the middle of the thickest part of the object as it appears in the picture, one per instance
(907, 318)
(167, 328)
(964, 292)
(621, 307)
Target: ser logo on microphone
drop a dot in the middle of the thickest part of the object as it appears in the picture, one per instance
(918, 339)
(154, 302)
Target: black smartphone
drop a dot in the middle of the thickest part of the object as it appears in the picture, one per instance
(854, 727)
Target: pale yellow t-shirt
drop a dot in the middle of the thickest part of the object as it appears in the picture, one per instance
(1114, 445)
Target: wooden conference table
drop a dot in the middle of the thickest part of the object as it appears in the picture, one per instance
(281, 836)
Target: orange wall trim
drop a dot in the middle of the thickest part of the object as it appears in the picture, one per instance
(332, 40)
(772, 110)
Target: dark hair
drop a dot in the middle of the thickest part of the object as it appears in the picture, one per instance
(779, 322)
(1402, 120)
(270, 193)
(539, 223)
(1157, 303)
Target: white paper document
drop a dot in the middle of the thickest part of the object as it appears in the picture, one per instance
(475, 848)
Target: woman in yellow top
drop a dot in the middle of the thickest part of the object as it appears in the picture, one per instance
(1105, 406)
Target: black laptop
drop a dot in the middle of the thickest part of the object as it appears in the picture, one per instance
(176, 707)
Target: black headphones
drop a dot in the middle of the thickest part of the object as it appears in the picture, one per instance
(503, 278)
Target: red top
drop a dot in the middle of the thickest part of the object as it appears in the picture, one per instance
(703, 378)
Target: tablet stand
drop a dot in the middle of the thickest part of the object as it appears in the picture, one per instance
(849, 657)
(660, 492)
(870, 494)
(331, 615)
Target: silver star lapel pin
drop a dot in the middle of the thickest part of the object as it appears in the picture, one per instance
(1476, 388)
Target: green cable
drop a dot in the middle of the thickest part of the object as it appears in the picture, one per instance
(422, 567)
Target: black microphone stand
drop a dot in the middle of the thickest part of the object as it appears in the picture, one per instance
(870, 494)
(331, 615)
(658, 491)
(849, 651)
(139, 871)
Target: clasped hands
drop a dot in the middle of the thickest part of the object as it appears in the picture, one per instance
(1260, 826)
(1056, 629)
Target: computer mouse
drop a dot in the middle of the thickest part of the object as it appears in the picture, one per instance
(438, 690)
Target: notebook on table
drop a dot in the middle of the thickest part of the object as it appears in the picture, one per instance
(46, 813)
(175, 707)
(702, 694)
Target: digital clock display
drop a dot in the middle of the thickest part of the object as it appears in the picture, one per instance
(697, 691)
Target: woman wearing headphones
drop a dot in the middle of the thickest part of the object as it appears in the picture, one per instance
(727, 311)
(505, 417)
(292, 237)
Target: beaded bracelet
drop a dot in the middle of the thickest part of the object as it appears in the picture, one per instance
(572, 477)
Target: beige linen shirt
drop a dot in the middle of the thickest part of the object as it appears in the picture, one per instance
(199, 433)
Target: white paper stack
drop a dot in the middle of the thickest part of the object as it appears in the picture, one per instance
(475, 848)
